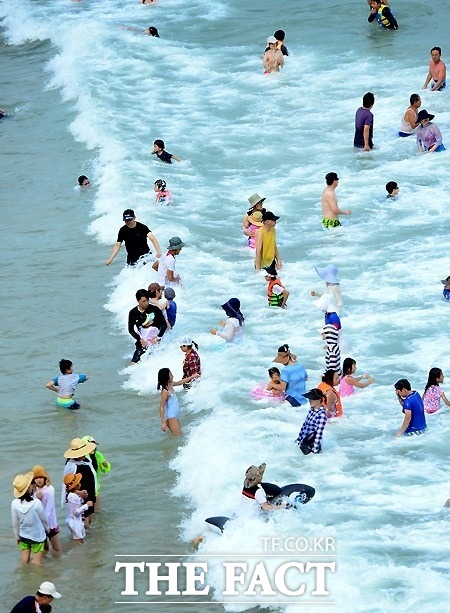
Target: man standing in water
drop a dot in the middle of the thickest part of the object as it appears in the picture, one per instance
(135, 235)
(412, 405)
(330, 209)
(266, 249)
(143, 311)
(364, 124)
(437, 71)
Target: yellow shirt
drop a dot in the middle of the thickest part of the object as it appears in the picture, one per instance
(268, 246)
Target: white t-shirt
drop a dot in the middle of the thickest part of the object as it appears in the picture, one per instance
(166, 262)
(233, 332)
(250, 503)
(277, 289)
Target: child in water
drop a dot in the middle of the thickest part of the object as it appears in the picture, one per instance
(274, 389)
(349, 382)
(446, 290)
(75, 507)
(147, 332)
(65, 385)
(433, 394)
(277, 294)
(162, 194)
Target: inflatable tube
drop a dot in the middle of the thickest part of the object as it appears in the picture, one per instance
(260, 392)
(299, 493)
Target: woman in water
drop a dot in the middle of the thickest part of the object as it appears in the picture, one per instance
(429, 137)
(433, 394)
(349, 382)
(333, 399)
(234, 324)
(169, 409)
(28, 519)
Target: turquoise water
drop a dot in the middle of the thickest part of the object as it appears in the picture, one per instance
(87, 96)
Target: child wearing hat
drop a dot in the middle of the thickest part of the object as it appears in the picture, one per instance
(44, 491)
(28, 520)
(75, 507)
(254, 219)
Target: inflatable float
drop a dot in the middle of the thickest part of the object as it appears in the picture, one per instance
(295, 493)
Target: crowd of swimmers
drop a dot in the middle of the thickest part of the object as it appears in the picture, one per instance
(33, 509)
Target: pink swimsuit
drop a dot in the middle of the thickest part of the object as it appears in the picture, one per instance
(345, 389)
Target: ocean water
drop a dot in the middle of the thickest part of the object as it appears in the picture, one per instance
(88, 96)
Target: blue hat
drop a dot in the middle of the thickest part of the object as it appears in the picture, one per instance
(233, 309)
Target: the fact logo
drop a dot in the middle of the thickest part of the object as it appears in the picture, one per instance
(265, 577)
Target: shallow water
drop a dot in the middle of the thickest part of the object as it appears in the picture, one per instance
(89, 97)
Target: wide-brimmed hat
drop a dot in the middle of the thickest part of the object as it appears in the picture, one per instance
(233, 309)
(21, 484)
(256, 218)
(39, 471)
(253, 475)
(445, 281)
(71, 481)
(424, 114)
(314, 394)
(329, 274)
(326, 303)
(283, 353)
(175, 243)
(79, 448)
(255, 199)
(48, 589)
